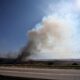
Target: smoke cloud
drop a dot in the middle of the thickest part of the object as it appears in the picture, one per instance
(55, 36)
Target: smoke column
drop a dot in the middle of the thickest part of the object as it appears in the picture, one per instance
(55, 36)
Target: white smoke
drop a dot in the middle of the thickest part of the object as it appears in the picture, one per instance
(55, 36)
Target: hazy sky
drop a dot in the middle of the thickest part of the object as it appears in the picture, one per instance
(18, 16)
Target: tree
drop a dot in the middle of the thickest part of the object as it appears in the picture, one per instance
(74, 64)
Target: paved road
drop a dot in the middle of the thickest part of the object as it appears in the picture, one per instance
(57, 74)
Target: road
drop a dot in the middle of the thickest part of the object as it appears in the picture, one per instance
(51, 74)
